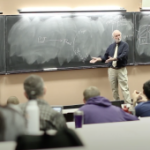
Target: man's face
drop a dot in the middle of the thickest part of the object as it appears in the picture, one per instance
(117, 37)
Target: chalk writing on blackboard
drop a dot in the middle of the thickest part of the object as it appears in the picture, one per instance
(44, 40)
(144, 35)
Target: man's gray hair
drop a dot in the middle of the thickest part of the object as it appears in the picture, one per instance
(116, 31)
(90, 92)
(33, 86)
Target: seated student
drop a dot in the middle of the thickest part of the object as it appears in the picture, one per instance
(13, 100)
(13, 103)
(34, 90)
(98, 109)
(12, 124)
(143, 107)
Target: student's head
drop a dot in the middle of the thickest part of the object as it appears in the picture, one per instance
(34, 87)
(13, 100)
(90, 92)
(146, 89)
(117, 36)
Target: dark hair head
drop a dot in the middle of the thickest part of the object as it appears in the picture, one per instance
(146, 89)
(33, 86)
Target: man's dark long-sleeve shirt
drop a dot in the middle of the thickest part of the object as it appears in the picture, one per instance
(122, 56)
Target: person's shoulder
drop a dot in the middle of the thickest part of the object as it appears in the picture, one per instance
(141, 107)
(23, 105)
(88, 108)
(15, 107)
(124, 43)
(46, 108)
(111, 45)
(48, 113)
(8, 112)
(85, 107)
(82, 108)
(142, 104)
(116, 108)
(57, 117)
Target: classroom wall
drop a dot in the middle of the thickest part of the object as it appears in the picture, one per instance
(145, 3)
(66, 87)
(11, 6)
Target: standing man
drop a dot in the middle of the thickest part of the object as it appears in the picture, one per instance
(116, 56)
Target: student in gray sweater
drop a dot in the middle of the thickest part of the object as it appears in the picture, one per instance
(12, 124)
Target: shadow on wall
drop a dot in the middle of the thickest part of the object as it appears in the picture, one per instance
(58, 75)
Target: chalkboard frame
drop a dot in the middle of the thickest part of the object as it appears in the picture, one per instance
(142, 57)
(3, 52)
(66, 68)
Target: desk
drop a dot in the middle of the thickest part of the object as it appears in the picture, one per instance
(7, 145)
(65, 111)
(131, 135)
(145, 119)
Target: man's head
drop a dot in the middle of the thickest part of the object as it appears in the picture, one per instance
(90, 92)
(146, 89)
(117, 36)
(13, 100)
(34, 87)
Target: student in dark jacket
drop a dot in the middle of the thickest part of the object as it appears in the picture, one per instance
(98, 109)
(143, 101)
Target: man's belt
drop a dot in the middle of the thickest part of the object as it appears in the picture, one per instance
(116, 68)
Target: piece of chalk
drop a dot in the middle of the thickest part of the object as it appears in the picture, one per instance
(49, 69)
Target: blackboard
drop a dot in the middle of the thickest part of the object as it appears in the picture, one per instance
(63, 41)
(2, 45)
(142, 38)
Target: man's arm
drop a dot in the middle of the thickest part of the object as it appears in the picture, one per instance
(106, 55)
(103, 59)
(95, 59)
(124, 52)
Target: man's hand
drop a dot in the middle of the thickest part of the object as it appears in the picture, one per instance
(110, 59)
(95, 59)
(138, 97)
